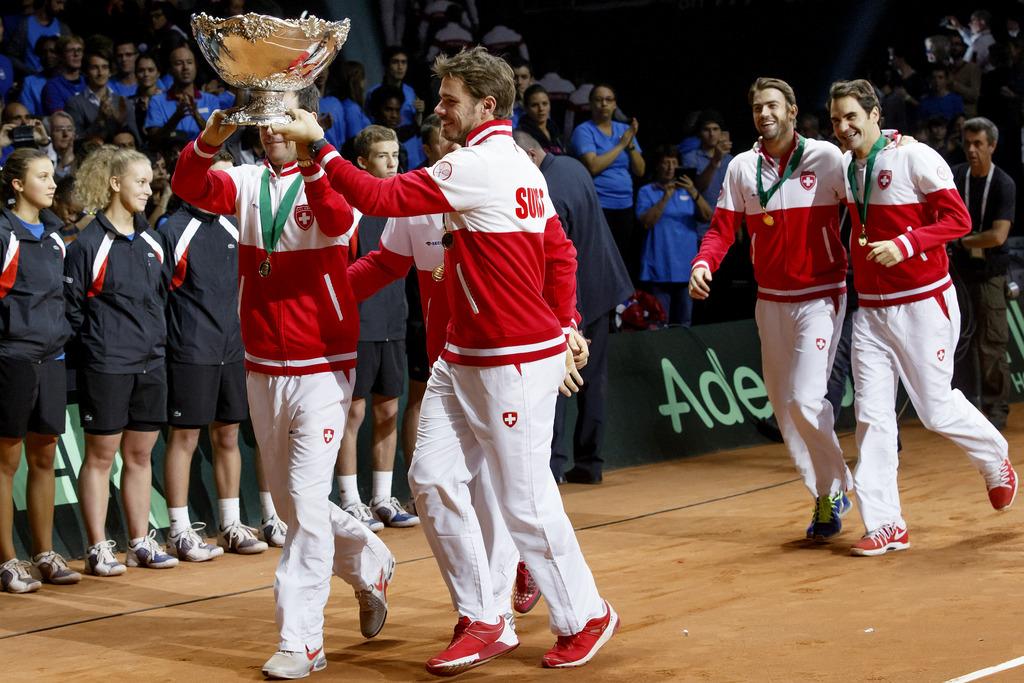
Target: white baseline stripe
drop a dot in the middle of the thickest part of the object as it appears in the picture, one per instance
(982, 673)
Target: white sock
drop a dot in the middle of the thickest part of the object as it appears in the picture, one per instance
(267, 503)
(179, 520)
(348, 488)
(136, 542)
(229, 512)
(381, 486)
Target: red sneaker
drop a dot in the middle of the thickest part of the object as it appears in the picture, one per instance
(526, 594)
(1002, 486)
(883, 539)
(473, 644)
(580, 648)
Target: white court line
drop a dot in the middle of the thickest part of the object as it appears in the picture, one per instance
(982, 673)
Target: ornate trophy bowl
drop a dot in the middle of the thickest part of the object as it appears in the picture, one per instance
(269, 57)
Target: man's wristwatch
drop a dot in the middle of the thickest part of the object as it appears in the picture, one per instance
(316, 146)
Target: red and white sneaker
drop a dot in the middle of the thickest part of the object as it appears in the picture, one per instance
(1002, 486)
(883, 539)
(473, 644)
(580, 648)
(526, 594)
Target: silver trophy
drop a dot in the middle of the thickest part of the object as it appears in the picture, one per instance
(268, 57)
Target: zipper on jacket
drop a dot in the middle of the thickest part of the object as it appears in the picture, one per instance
(828, 247)
(465, 288)
(334, 296)
(241, 288)
(753, 238)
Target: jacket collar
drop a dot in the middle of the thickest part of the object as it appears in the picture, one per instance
(49, 220)
(488, 130)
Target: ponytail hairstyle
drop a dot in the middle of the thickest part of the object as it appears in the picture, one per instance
(16, 168)
(92, 184)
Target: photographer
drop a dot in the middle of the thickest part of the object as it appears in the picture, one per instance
(981, 260)
(670, 209)
(18, 129)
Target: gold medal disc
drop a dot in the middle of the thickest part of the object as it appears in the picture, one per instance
(438, 273)
(768, 219)
(862, 240)
(265, 267)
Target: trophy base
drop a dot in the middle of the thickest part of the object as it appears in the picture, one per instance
(265, 108)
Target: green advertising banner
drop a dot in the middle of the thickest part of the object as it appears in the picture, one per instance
(671, 393)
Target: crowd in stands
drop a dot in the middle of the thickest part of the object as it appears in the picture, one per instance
(74, 90)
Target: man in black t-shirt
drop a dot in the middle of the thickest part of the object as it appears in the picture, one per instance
(980, 260)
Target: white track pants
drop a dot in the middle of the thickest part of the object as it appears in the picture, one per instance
(914, 342)
(502, 554)
(298, 422)
(798, 345)
(505, 415)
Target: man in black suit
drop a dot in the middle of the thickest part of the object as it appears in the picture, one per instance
(602, 283)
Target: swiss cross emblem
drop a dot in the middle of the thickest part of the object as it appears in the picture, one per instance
(820, 343)
(328, 435)
(510, 419)
(884, 179)
(941, 355)
(304, 216)
(808, 179)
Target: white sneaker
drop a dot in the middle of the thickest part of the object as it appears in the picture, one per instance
(54, 569)
(15, 577)
(149, 554)
(391, 513)
(291, 665)
(373, 602)
(190, 546)
(362, 512)
(241, 539)
(273, 532)
(100, 560)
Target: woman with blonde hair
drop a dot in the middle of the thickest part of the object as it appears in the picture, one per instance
(32, 378)
(115, 291)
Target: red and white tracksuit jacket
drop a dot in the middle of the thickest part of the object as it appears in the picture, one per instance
(915, 203)
(800, 257)
(510, 273)
(302, 319)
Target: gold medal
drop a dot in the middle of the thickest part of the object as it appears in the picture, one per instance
(863, 239)
(438, 273)
(768, 219)
(265, 267)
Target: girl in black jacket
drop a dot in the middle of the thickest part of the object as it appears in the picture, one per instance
(33, 385)
(115, 290)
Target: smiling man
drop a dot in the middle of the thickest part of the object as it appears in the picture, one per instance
(904, 208)
(788, 189)
(510, 276)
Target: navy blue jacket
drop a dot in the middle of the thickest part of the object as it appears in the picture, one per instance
(32, 322)
(115, 290)
(602, 282)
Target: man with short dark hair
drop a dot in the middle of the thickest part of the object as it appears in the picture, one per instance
(97, 111)
(69, 80)
(125, 55)
(981, 260)
(904, 209)
(711, 159)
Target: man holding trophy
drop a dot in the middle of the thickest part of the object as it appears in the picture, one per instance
(299, 319)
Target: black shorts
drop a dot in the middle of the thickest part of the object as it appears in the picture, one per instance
(200, 394)
(416, 351)
(33, 397)
(380, 369)
(112, 403)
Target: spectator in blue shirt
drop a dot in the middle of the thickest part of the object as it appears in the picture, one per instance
(611, 152)
(332, 113)
(710, 160)
(940, 101)
(42, 22)
(396, 65)
(32, 87)
(125, 56)
(669, 209)
(184, 108)
(386, 105)
(352, 93)
(69, 80)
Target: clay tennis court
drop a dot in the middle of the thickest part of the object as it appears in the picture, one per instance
(702, 557)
